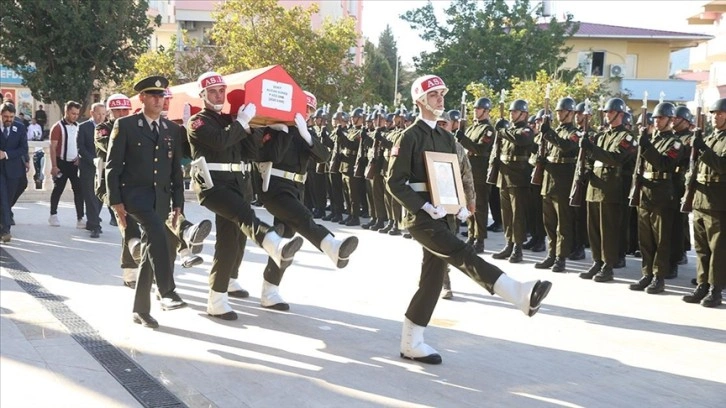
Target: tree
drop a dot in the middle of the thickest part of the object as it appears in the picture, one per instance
(489, 42)
(257, 33)
(153, 62)
(378, 77)
(67, 51)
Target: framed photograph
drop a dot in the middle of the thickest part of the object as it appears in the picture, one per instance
(445, 183)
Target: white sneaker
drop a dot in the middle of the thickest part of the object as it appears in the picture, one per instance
(53, 221)
(81, 223)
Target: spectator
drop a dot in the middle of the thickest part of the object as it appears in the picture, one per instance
(26, 122)
(42, 117)
(87, 168)
(13, 145)
(64, 163)
(35, 131)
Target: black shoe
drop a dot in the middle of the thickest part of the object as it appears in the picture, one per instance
(577, 255)
(318, 214)
(713, 298)
(673, 272)
(239, 294)
(344, 221)
(683, 260)
(539, 246)
(113, 222)
(560, 264)
(479, 246)
(641, 284)
(394, 232)
(539, 292)
(698, 294)
(529, 244)
(388, 227)
(594, 269)
(130, 284)
(353, 222)
(378, 225)
(96, 233)
(694, 282)
(229, 316)
(336, 218)
(407, 235)
(637, 254)
(196, 234)
(369, 224)
(516, 256)
(327, 217)
(172, 301)
(546, 263)
(656, 286)
(430, 359)
(605, 275)
(145, 320)
(504, 253)
(620, 263)
(495, 227)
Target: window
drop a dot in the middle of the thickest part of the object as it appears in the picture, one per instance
(631, 64)
(591, 63)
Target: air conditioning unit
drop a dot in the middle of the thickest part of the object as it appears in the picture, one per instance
(617, 70)
(190, 25)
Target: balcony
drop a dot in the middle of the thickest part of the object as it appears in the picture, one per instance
(675, 90)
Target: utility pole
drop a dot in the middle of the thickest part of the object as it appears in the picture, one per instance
(395, 85)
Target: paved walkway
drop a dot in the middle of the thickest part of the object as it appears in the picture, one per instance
(67, 340)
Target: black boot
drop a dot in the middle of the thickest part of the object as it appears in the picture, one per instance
(643, 283)
(369, 224)
(387, 228)
(673, 272)
(560, 264)
(352, 222)
(479, 246)
(605, 275)
(394, 231)
(378, 225)
(529, 244)
(336, 218)
(504, 253)
(344, 221)
(539, 246)
(594, 269)
(713, 298)
(698, 294)
(577, 254)
(657, 286)
(546, 263)
(516, 256)
(495, 227)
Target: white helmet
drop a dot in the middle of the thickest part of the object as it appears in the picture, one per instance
(168, 94)
(427, 83)
(311, 100)
(209, 79)
(118, 101)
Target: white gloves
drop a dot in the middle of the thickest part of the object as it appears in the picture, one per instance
(463, 214)
(186, 113)
(434, 212)
(278, 126)
(302, 127)
(245, 115)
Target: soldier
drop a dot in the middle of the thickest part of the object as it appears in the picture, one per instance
(681, 235)
(393, 207)
(145, 189)
(709, 211)
(435, 230)
(658, 201)
(535, 223)
(612, 150)
(289, 153)
(514, 178)
(375, 184)
(316, 185)
(478, 141)
(336, 178)
(219, 144)
(350, 141)
(579, 237)
(557, 215)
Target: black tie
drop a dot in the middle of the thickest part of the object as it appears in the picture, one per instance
(6, 133)
(155, 130)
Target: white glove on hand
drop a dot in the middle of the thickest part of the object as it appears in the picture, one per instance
(434, 212)
(245, 115)
(186, 113)
(278, 126)
(463, 214)
(302, 127)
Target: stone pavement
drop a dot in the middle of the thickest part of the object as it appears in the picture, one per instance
(67, 340)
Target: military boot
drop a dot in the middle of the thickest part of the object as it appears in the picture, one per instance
(516, 256)
(560, 264)
(378, 225)
(504, 253)
(369, 224)
(387, 228)
(479, 246)
(529, 244)
(594, 269)
(606, 274)
(656, 286)
(698, 294)
(713, 299)
(395, 231)
(643, 283)
(539, 245)
(546, 263)
(353, 222)
(577, 254)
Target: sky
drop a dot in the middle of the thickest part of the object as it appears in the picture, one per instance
(662, 15)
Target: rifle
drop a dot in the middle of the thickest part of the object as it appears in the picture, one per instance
(335, 163)
(321, 168)
(687, 200)
(577, 193)
(462, 120)
(538, 173)
(374, 163)
(493, 174)
(601, 113)
(636, 184)
(359, 169)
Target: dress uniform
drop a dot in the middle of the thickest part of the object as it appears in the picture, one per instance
(375, 183)
(514, 178)
(579, 236)
(681, 235)
(225, 143)
(335, 178)
(611, 151)
(478, 141)
(658, 201)
(393, 207)
(709, 211)
(289, 152)
(559, 171)
(435, 230)
(350, 143)
(143, 177)
(319, 185)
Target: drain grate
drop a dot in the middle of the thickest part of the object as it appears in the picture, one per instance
(139, 383)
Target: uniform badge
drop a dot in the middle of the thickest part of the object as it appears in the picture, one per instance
(140, 123)
(197, 123)
(15, 129)
(163, 124)
(394, 151)
(266, 138)
(674, 150)
(628, 142)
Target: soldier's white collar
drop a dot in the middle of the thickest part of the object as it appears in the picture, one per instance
(431, 123)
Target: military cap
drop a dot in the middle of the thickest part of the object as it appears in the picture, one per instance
(154, 85)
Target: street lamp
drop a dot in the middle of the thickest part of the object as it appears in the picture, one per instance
(396, 95)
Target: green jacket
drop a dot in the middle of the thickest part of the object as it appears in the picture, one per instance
(516, 149)
(613, 151)
(478, 140)
(711, 178)
(561, 158)
(660, 161)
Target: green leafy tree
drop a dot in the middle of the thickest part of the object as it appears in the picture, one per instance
(378, 83)
(490, 42)
(257, 33)
(153, 62)
(66, 49)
